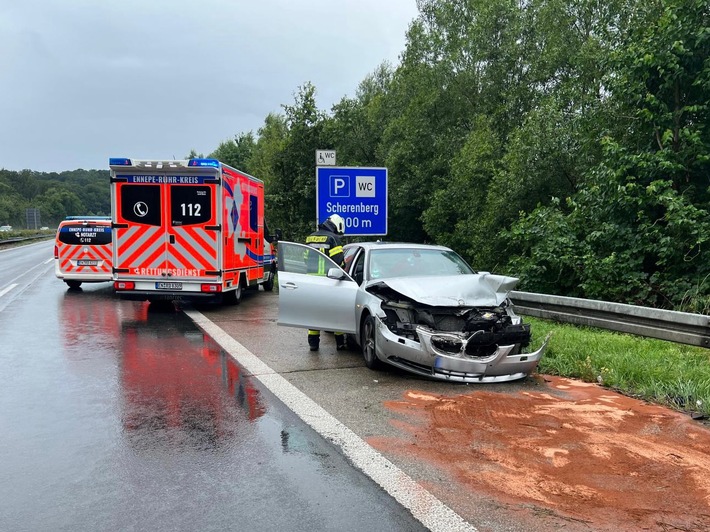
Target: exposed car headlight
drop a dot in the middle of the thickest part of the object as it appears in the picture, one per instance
(446, 344)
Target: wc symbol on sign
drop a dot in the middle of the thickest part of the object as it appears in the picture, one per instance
(325, 158)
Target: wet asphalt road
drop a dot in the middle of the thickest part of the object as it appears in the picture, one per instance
(119, 415)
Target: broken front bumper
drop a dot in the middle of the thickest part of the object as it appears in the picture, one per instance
(505, 363)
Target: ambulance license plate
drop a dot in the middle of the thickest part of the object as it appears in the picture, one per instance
(87, 263)
(162, 285)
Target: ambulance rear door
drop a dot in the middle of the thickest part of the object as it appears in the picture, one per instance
(166, 227)
(192, 224)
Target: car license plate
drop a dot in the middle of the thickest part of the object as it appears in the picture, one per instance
(162, 285)
(87, 263)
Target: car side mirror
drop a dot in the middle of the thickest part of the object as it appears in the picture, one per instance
(336, 273)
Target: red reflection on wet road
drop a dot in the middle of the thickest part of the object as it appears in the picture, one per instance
(172, 377)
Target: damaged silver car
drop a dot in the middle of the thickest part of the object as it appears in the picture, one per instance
(418, 307)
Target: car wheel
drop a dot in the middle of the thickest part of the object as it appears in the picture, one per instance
(368, 343)
(73, 284)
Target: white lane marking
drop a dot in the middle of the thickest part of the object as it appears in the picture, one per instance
(7, 289)
(429, 510)
(50, 259)
(25, 286)
(29, 270)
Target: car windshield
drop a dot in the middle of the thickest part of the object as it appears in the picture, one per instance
(409, 262)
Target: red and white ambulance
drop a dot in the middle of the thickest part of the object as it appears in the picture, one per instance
(187, 230)
(82, 250)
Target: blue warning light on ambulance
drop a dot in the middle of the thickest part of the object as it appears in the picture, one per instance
(214, 163)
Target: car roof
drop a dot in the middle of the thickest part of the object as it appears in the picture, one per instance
(394, 245)
(88, 220)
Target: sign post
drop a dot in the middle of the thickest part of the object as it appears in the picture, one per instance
(357, 194)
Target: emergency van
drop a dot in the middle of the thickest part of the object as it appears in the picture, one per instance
(83, 251)
(187, 230)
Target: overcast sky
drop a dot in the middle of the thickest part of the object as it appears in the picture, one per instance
(85, 80)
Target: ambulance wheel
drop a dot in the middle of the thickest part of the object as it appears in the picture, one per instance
(73, 284)
(234, 297)
(269, 285)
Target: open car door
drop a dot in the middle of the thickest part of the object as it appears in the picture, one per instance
(314, 292)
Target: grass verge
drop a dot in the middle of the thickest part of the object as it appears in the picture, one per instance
(670, 374)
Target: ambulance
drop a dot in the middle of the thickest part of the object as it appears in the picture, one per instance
(83, 251)
(188, 230)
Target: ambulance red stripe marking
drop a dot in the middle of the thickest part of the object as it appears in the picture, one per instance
(208, 248)
(71, 254)
(183, 262)
(206, 242)
(187, 239)
(104, 252)
(126, 242)
(145, 241)
(74, 252)
(195, 260)
(154, 260)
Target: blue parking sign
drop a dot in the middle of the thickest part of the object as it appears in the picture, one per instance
(357, 194)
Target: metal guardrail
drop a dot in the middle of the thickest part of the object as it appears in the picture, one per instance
(16, 240)
(679, 327)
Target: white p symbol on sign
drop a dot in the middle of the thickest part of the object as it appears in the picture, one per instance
(339, 186)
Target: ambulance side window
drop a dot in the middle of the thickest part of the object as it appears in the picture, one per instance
(141, 204)
(190, 205)
(254, 213)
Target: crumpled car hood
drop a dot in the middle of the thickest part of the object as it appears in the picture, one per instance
(477, 290)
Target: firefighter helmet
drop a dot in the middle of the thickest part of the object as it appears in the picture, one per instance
(337, 223)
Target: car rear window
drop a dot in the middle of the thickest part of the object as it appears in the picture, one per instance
(79, 234)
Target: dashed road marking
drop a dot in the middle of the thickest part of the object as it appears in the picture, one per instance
(7, 289)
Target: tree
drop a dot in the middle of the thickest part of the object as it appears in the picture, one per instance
(57, 203)
(194, 155)
(291, 188)
(265, 160)
(357, 124)
(237, 152)
(12, 206)
(454, 215)
(637, 232)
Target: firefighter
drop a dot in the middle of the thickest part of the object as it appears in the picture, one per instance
(327, 239)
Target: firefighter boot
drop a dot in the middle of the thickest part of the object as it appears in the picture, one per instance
(340, 342)
(313, 341)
